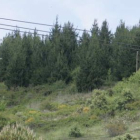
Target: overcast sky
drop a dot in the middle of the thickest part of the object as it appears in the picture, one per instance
(80, 12)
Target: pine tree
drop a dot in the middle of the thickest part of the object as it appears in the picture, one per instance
(90, 67)
(105, 39)
(13, 71)
(69, 44)
(27, 52)
(123, 56)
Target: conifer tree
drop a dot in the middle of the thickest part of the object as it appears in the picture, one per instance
(105, 39)
(123, 56)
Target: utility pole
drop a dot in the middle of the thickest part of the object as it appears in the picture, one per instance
(137, 61)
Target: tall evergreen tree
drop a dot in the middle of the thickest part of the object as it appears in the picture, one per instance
(69, 44)
(95, 29)
(105, 39)
(27, 50)
(123, 56)
(90, 75)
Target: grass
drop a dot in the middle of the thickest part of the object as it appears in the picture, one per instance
(51, 110)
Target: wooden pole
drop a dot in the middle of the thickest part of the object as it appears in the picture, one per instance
(137, 61)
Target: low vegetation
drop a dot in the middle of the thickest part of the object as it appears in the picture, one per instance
(75, 132)
(127, 137)
(17, 132)
(54, 112)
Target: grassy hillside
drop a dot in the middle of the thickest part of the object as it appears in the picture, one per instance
(58, 112)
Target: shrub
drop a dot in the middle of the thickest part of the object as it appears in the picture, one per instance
(75, 132)
(127, 137)
(3, 121)
(128, 96)
(134, 105)
(99, 102)
(47, 105)
(74, 73)
(125, 99)
(17, 132)
(72, 88)
(116, 128)
(110, 92)
(58, 85)
(62, 106)
(109, 79)
(2, 105)
(88, 102)
(97, 92)
(135, 78)
(86, 109)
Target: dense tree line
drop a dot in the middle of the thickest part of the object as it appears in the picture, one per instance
(88, 61)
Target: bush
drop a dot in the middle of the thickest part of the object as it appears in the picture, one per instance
(127, 137)
(74, 74)
(3, 121)
(110, 92)
(135, 78)
(128, 96)
(116, 128)
(134, 105)
(58, 85)
(125, 99)
(75, 132)
(17, 132)
(98, 92)
(47, 105)
(2, 105)
(72, 89)
(99, 102)
(109, 79)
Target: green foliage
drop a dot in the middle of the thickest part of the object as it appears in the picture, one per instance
(48, 105)
(98, 101)
(75, 132)
(110, 92)
(126, 137)
(91, 70)
(94, 60)
(15, 98)
(75, 73)
(133, 105)
(2, 105)
(123, 64)
(72, 89)
(109, 79)
(106, 51)
(58, 85)
(17, 132)
(127, 97)
(3, 121)
(135, 78)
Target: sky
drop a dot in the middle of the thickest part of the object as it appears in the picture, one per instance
(81, 13)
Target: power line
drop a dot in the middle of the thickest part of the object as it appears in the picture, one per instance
(42, 24)
(34, 29)
(98, 40)
(25, 28)
(27, 22)
(22, 31)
